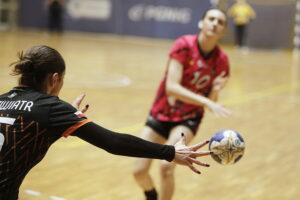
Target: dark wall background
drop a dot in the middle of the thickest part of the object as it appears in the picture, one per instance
(273, 27)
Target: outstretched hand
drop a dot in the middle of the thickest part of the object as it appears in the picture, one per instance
(186, 155)
(76, 103)
(218, 109)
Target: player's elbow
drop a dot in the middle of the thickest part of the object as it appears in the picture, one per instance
(170, 89)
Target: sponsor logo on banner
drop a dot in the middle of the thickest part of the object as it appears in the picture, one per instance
(141, 12)
(91, 9)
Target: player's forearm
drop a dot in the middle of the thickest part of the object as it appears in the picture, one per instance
(186, 95)
(124, 144)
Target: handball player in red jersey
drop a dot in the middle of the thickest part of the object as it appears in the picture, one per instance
(32, 118)
(196, 72)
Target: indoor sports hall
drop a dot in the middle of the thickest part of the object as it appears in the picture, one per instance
(116, 53)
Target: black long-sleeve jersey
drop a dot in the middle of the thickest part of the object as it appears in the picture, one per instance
(30, 122)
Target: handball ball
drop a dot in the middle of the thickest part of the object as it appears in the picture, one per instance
(227, 146)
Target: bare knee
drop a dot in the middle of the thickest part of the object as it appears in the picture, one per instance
(167, 169)
(138, 172)
(140, 169)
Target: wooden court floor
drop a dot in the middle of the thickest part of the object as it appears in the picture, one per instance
(120, 75)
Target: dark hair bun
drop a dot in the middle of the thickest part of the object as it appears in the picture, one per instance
(36, 63)
(25, 66)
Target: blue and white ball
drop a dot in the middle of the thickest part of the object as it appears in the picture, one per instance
(227, 146)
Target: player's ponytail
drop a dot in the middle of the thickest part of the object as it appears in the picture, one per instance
(35, 64)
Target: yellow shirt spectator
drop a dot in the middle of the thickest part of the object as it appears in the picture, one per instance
(241, 12)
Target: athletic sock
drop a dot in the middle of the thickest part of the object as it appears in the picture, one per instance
(151, 194)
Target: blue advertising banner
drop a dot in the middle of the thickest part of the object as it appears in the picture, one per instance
(150, 18)
(91, 15)
(161, 18)
(33, 14)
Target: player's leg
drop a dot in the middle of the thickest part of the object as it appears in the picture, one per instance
(142, 165)
(167, 168)
(243, 35)
(239, 35)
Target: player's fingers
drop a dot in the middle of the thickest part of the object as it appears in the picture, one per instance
(199, 145)
(78, 100)
(223, 112)
(217, 114)
(198, 162)
(226, 113)
(185, 152)
(226, 110)
(201, 153)
(86, 107)
(194, 169)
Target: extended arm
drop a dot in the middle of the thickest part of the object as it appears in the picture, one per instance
(129, 145)
(123, 144)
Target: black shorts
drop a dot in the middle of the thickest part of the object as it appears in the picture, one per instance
(163, 128)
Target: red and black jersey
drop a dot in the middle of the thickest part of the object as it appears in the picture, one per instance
(29, 123)
(198, 75)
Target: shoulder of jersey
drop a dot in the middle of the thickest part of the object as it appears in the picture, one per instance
(187, 40)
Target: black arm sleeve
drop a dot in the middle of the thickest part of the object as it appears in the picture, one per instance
(123, 144)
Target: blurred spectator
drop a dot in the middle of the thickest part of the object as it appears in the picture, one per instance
(55, 11)
(242, 13)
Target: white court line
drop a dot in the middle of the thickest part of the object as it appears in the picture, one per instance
(36, 193)
(57, 198)
(32, 192)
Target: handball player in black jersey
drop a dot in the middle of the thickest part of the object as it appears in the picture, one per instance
(197, 70)
(32, 118)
